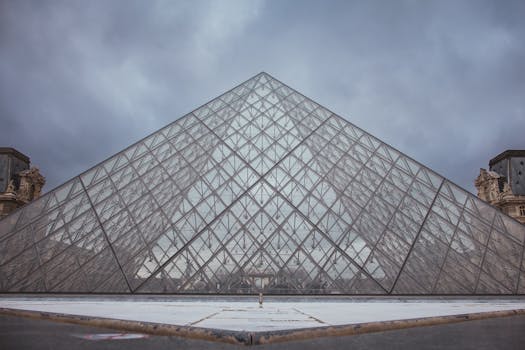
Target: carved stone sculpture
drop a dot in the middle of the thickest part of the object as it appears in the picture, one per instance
(31, 183)
(11, 188)
(495, 189)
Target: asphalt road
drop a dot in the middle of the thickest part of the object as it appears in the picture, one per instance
(503, 333)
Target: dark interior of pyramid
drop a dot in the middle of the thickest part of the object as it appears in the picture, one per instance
(261, 190)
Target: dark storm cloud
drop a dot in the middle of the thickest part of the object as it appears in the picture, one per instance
(442, 81)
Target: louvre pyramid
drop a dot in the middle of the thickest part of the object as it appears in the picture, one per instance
(261, 189)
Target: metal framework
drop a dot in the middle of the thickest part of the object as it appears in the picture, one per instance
(261, 189)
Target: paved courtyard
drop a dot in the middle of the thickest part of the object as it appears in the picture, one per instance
(245, 314)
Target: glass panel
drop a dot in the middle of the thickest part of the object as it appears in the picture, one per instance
(460, 272)
(425, 260)
(449, 285)
(382, 270)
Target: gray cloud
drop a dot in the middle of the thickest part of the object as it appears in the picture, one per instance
(442, 81)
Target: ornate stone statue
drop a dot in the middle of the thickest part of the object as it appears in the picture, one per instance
(496, 190)
(23, 186)
(11, 188)
(31, 183)
(488, 185)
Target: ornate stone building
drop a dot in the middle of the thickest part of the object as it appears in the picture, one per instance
(503, 185)
(19, 184)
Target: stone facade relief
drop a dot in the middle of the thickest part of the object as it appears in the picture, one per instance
(24, 187)
(31, 183)
(494, 189)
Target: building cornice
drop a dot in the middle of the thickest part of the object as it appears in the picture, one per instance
(507, 154)
(14, 152)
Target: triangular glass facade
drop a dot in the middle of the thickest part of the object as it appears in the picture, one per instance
(261, 189)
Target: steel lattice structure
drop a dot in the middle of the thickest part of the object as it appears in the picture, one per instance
(261, 189)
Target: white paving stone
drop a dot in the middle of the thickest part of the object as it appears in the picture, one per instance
(248, 316)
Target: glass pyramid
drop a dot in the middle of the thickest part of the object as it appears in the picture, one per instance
(261, 189)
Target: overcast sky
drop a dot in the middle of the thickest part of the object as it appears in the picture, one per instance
(442, 81)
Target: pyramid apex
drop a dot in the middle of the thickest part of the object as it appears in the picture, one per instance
(265, 73)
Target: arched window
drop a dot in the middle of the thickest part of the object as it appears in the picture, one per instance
(522, 210)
